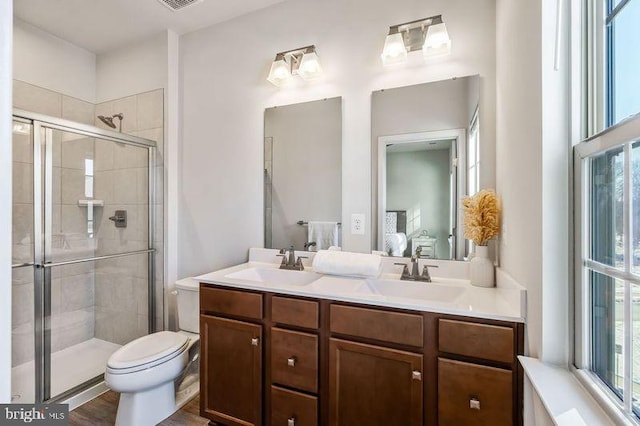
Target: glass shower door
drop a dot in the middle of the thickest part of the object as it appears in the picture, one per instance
(97, 252)
(22, 259)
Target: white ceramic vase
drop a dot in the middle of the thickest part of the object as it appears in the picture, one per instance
(481, 271)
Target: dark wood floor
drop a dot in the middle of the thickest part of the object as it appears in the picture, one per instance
(102, 412)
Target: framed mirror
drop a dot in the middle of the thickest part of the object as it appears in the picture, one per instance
(303, 175)
(426, 142)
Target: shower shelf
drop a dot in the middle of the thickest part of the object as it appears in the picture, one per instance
(87, 203)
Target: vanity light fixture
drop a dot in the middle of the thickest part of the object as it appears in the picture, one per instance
(302, 61)
(429, 34)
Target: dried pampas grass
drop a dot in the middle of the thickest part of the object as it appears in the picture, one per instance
(481, 216)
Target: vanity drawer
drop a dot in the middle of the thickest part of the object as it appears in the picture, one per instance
(301, 313)
(470, 394)
(476, 340)
(393, 327)
(230, 302)
(294, 359)
(290, 408)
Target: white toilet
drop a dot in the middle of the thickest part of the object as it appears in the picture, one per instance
(149, 371)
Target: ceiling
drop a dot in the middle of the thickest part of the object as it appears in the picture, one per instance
(103, 25)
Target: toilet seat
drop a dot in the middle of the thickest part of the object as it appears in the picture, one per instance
(147, 351)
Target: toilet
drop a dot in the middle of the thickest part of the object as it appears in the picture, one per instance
(152, 372)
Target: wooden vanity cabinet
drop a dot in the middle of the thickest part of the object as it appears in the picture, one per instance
(231, 371)
(273, 359)
(231, 356)
(373, 385)
(294, 359)
(478, 374)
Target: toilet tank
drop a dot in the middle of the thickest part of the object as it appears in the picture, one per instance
(188, 305)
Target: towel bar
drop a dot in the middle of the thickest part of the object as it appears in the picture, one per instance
(302, 223)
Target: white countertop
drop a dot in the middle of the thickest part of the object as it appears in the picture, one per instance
(506, 304)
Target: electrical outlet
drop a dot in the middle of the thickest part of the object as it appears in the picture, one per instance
(357, 224)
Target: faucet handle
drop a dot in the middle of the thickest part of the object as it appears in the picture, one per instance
(425, 272)
(299, 265)
(405, 270)
(283, 254)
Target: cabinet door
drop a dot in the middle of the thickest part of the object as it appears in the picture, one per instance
(374, 386)
(231, 371)
(472, 394)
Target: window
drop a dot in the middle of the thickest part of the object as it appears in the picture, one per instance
(473, 155)
(607, 205)
(473, 165)
(622, 34)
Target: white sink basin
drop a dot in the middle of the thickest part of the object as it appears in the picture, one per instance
(274, 276)
(413, 290)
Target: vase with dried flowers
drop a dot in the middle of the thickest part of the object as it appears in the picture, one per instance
(482, 213)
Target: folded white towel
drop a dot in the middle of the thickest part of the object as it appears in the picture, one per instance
(347, 263)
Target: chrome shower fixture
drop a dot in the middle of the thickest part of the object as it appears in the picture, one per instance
(109, 120)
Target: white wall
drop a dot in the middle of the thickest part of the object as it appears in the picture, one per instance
(6, 20)
(135, 68)
(225, 94)
(519, 151)
(47, 61)
(532, 169)
(532, 165)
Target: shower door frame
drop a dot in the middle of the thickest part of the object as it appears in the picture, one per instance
(41, 262)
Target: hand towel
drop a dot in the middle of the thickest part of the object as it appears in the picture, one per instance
(325, 234)
(347, 263)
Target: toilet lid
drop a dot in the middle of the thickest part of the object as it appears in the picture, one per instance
(146, 349)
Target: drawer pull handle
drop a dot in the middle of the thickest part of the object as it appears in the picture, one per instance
(416, 375)
(255, 341)
(291, 362)
(291, 421)
(474, 403)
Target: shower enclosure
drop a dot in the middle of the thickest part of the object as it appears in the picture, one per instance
(83, 252)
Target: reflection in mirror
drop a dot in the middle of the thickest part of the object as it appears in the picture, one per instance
(303, 175)
(422, 135)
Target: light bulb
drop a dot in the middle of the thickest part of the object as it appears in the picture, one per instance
(437, 42)
(310, 68)
(394, 51)
(279, 75)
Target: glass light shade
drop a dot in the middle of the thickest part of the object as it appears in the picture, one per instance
(394, 51)
(437, 42)
(310, 68)
(280, 74)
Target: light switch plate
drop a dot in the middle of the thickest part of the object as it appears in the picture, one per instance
(357, 224)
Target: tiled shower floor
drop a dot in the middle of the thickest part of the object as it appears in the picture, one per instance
(70, 367)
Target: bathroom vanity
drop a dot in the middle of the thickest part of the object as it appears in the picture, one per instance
(272, 354)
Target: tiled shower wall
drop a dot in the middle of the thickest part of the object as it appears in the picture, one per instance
(82, 307)
(117, 311)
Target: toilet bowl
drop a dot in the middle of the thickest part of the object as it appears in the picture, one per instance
(147, 371)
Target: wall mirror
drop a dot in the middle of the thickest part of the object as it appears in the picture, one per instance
(303, 175)
(426, 141)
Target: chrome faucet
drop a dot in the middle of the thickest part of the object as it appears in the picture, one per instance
(309, 245)
(415, 271)
(289, 261)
